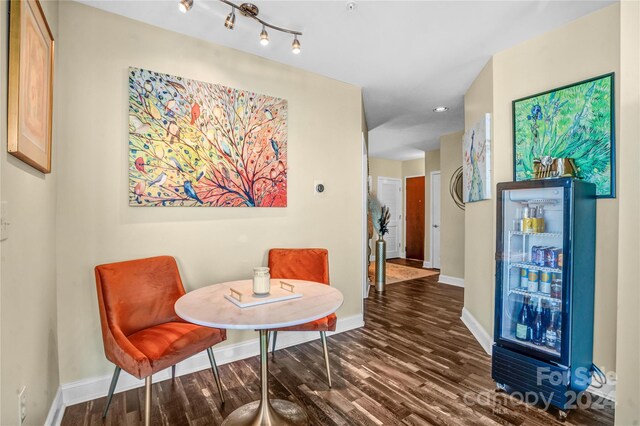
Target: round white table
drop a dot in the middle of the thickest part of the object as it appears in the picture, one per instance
(207, 306)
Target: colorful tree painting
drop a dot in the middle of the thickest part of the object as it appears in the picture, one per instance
(193, 143)
(571, 122)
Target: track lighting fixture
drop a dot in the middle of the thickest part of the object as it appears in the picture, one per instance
(264, 37)
(295, 46)
(230, 22)
(250, 11)
(185, 5)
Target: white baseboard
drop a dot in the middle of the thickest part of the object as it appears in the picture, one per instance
(446, 279)
(97, 387)
(481, 335)
(56, 411)
(426, 264)
(607, 391)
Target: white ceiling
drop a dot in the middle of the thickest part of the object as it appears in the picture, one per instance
(408, 56)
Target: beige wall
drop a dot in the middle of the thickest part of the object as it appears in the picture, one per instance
(381, 167)
(28, 292)
(431, 164)
(585, 48)
(211, 245)
(451, 216)
(479, 216)
(628, 330)
(413, 167)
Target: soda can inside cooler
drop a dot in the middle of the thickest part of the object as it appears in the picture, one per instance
(545, 282)
(532, 282)
(524, 277)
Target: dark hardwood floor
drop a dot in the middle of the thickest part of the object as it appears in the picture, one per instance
(407, 262)
(414, 363)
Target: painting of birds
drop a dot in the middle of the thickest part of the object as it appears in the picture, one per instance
(177, 86)
(148, 88)
(173, 132)
(201, 173)
(139, 164)
(195, 113)
(195, 143)
(276, 150)
(225, 147)
(138, 126)
(176, 163)
(225, 172)
(159, 151)
(170, 105)
(138, 190)
(160, 180)
(154, 111)
(190, 192)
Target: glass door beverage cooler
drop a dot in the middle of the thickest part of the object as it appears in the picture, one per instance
(545, 265)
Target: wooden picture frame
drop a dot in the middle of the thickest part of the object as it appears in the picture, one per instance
(30, 97)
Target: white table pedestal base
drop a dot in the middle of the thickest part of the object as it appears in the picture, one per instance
(265, 412)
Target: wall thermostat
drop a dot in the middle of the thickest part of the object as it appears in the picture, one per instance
(318, 187)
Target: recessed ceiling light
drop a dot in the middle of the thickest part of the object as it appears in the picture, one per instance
(441, 109)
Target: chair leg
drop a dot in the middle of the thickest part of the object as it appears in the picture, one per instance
(147, 401)
(273, 348)
(173, 372)
(323, 336)
(112, 387)
(216, 374)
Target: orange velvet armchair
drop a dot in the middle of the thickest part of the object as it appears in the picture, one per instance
(310, 264)
(141, 332)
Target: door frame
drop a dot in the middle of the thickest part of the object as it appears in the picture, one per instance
(365, 231)
(404, 213)
(436, 172)
(401, 220)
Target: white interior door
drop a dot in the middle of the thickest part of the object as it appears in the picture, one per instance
(435, 220)
(390, 195)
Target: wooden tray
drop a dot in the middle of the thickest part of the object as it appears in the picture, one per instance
(278, 293)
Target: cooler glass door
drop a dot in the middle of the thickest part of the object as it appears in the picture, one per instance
(531, 301)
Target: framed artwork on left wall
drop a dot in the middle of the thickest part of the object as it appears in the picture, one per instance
(30, 97)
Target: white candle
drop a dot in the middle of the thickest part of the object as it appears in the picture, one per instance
(261, 280)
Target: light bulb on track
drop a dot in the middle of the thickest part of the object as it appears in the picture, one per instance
(185, 5)
(230, 22)
(295, 46)
(264, 37)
